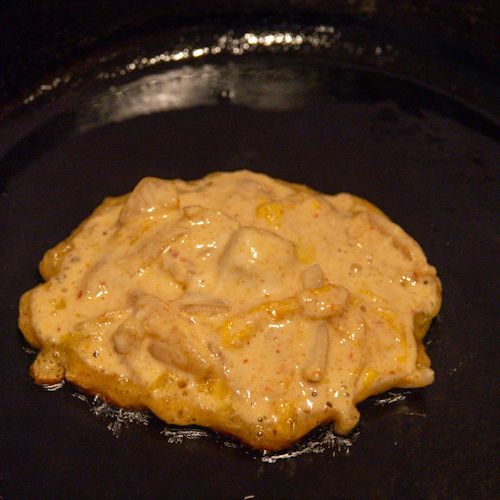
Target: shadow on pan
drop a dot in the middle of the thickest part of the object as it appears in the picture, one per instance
(320, 104)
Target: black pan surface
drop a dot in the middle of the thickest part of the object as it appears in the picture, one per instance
(304, 113)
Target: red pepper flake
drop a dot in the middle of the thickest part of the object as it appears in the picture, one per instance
(79, 294)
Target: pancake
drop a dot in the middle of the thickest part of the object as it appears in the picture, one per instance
(249, 305)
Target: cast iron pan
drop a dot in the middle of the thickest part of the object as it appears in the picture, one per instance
(333, 104)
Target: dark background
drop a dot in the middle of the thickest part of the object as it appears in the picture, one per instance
(428, 157)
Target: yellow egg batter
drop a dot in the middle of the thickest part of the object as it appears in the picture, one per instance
(253, 306)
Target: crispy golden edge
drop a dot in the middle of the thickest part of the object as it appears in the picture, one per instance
(25, 321)
(51, 262)
(421, 320)
(124, 393)
(49, 266)
(53, 365)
